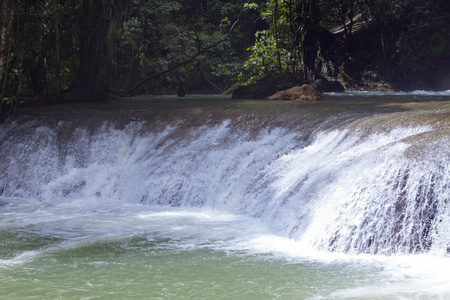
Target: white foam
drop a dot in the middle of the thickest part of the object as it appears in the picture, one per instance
(333, 199)
(393, 93)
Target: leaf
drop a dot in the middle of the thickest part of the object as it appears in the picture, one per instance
(225, 22)
(251, 5)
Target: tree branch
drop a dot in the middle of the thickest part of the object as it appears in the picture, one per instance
(191, 59)
(177, 65)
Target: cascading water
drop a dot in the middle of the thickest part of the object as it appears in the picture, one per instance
(349, 181)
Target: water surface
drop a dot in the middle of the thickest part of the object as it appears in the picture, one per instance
(212, 198)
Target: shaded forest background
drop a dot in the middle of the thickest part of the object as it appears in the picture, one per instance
(92, 50)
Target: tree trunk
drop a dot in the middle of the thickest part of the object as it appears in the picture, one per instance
(57, 48)
(111, 43)
(5, 51)
(89, 78)
(5, 31)
(307, 13)
(277, 40)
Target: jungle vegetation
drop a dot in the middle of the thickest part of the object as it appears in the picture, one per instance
(91, 50)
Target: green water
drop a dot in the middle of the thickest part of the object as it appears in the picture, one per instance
(137, 269)
(155, 253)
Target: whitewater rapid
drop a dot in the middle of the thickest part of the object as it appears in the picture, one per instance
(238, 199)
(372, 184)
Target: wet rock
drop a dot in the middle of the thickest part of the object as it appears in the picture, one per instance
(267, 86)
(304, 92)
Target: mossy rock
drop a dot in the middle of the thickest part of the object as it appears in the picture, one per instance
(267, 86)
(305, 92)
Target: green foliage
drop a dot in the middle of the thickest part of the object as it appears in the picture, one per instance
(349, 38)
(251, 5)
(159, 34)
(273, 52)
(291, 42)
(60, 45)
(424, 37)
(265, 58)
(32, 56)
(46, 44)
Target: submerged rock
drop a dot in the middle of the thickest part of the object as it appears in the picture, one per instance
(304, 92)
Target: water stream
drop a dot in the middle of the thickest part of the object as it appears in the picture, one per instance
(212, 198)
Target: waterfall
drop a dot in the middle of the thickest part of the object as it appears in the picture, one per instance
(369, 184)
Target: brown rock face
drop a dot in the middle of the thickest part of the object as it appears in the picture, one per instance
(304, 92)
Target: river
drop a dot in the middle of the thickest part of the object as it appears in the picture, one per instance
(206, 197)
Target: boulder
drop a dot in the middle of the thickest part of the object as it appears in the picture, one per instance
(304, 92)
(266, 86)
